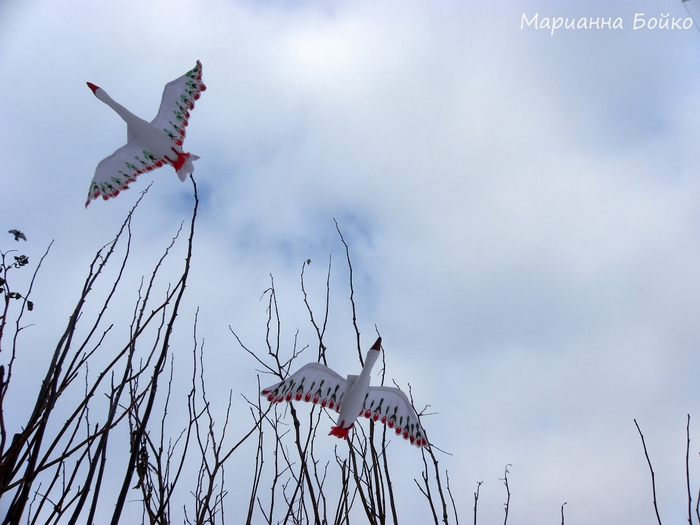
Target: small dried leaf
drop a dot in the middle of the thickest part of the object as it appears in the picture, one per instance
(21, 260)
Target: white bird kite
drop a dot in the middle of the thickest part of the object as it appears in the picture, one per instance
(352, 397)
(149, 145)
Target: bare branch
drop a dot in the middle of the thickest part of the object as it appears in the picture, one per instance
(651, 470)
(507, 503)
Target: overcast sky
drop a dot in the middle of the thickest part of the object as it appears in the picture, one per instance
(522, 209)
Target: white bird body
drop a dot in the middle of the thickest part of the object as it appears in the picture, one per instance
(149, 145)
(354, 401)
(146, 134)
(352, 397)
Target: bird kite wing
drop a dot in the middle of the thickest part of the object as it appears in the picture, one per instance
(313, 383)
(391, 407)
(114, 173)
(178, 100)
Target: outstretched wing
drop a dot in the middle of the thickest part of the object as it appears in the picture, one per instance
(391, 406)
(178, 100)
(18, 234)
(114, 173)
(313, 383)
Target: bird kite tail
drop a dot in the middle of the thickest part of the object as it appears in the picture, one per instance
(340, 432)
(184, 164)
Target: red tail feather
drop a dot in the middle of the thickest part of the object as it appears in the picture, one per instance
(340, 432)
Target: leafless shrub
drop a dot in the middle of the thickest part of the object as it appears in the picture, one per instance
(89, 414)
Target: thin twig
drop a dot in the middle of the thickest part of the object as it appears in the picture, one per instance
(449, 491)
(687, 471)
(352, 292)
(562, 513)
(651, 470)
(476, 498)
(507, 503)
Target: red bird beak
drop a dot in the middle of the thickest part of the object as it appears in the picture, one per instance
(93, 87)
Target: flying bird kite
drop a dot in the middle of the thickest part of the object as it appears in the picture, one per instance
(351, 397)
(149, 145)
(18, 235)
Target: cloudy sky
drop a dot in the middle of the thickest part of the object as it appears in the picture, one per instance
(522, 209)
